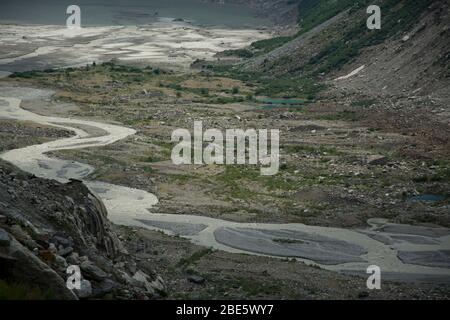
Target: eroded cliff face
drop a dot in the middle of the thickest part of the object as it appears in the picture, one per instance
(45, 226)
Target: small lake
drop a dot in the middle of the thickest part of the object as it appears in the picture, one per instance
(129, 12)
(274, 103)
(427, 198)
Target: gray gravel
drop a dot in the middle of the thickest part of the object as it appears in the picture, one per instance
(426, 258)
(416, 230)
(286, 243)
(182, 229)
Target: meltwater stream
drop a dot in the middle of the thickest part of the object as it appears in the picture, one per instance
(403, 252)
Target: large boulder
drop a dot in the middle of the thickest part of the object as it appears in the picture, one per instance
(153, 287)
(24, 265)
(5, 239)
(376, 160)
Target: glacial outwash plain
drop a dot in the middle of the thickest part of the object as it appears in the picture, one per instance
(87, 178)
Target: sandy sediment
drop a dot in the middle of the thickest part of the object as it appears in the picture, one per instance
(176, 44)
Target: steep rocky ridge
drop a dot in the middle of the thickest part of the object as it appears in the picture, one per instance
(45, 226)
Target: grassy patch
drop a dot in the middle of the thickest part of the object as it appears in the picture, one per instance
(314, 12)
(398, 15)
(231, 177)
(21, 291)
(182, 178)
(254, 287)
(320, 150)
(442, 175)
(346, 115)
(267, 45)
(153, 159)
(241, 53)
(281, 87)
(196, 256)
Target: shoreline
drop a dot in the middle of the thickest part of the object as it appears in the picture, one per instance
(173, 20)
(177, 44)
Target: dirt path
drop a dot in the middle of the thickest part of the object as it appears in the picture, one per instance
(401, 251)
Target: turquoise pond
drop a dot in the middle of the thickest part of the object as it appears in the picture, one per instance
(288, 102)
(281, 103)
(275, 106)
(427, 198)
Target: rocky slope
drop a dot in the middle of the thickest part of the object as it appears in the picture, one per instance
(45, 226)
(414, 62)
(401, 70)
(408, 55)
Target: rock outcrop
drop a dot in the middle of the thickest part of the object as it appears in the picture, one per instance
(46, 226)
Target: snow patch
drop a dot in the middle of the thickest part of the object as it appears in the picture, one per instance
(351, 74)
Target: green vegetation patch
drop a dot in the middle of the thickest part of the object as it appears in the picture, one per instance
(241, 53)
(196, 256)
(397, 15)
(303, 88)
(21, 291)
(267, 45)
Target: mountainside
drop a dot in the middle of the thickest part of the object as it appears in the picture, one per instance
(412, 46)
(413, 62)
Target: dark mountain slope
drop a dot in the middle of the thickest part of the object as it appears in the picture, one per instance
(410, 52)
(413, 62)
(45, 226)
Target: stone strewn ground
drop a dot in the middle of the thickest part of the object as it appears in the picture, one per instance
(17, 135)
(69, 227)
(194, 272)
(345, 159)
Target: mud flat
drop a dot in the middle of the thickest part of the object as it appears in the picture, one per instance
(396, 249)
(178, 44)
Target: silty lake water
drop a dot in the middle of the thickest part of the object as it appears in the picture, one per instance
(129, 12)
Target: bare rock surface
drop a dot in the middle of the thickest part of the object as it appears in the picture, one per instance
(47, 226)
(29, 268)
